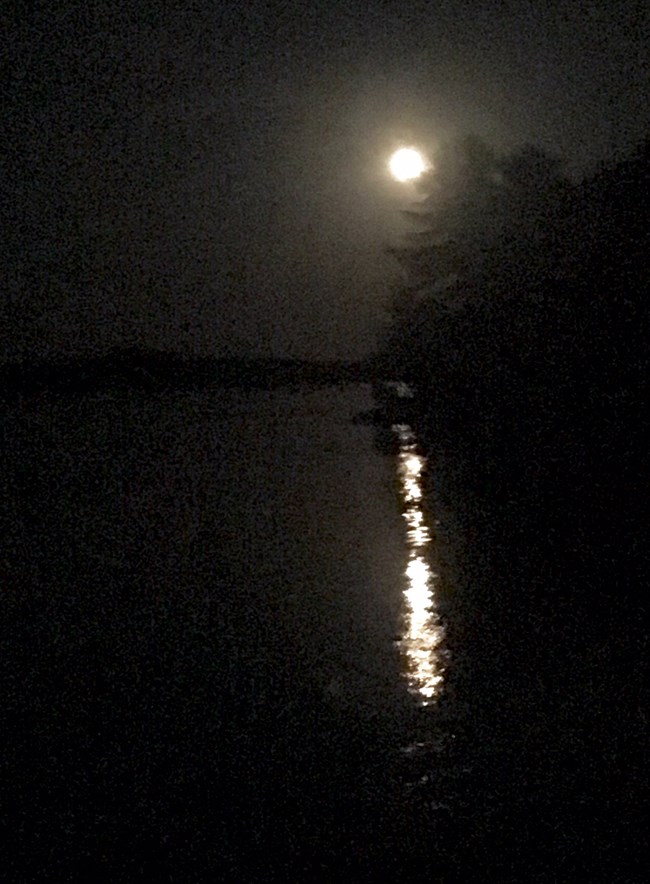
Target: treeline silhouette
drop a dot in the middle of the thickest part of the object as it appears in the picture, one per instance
(522, 320)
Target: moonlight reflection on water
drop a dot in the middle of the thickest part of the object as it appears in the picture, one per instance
(423, 635)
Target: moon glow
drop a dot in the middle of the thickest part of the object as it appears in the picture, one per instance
(406, 164)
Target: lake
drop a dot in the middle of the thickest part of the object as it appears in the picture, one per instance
(256, 634)
(225, 636)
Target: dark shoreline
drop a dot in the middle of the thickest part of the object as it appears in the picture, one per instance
(156, 371)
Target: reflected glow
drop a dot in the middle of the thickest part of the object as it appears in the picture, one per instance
(423, 633)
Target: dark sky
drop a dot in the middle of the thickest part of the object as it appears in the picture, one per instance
(211, 176)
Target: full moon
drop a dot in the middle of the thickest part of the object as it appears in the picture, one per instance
(407, 163)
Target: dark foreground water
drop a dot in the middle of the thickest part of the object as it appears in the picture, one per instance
(242, 639)
(221, 635)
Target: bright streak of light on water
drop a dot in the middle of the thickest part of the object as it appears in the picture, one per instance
(423, 635)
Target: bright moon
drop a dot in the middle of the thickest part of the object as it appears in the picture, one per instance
(406, 163)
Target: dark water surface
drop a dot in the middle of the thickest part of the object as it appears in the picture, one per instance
(246, 636)
(222, 636)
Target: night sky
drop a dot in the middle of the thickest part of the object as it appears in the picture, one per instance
(211, 177)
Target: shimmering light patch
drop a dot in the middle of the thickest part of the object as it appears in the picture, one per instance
(423, 635)
(417, 533)
(412, 490)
